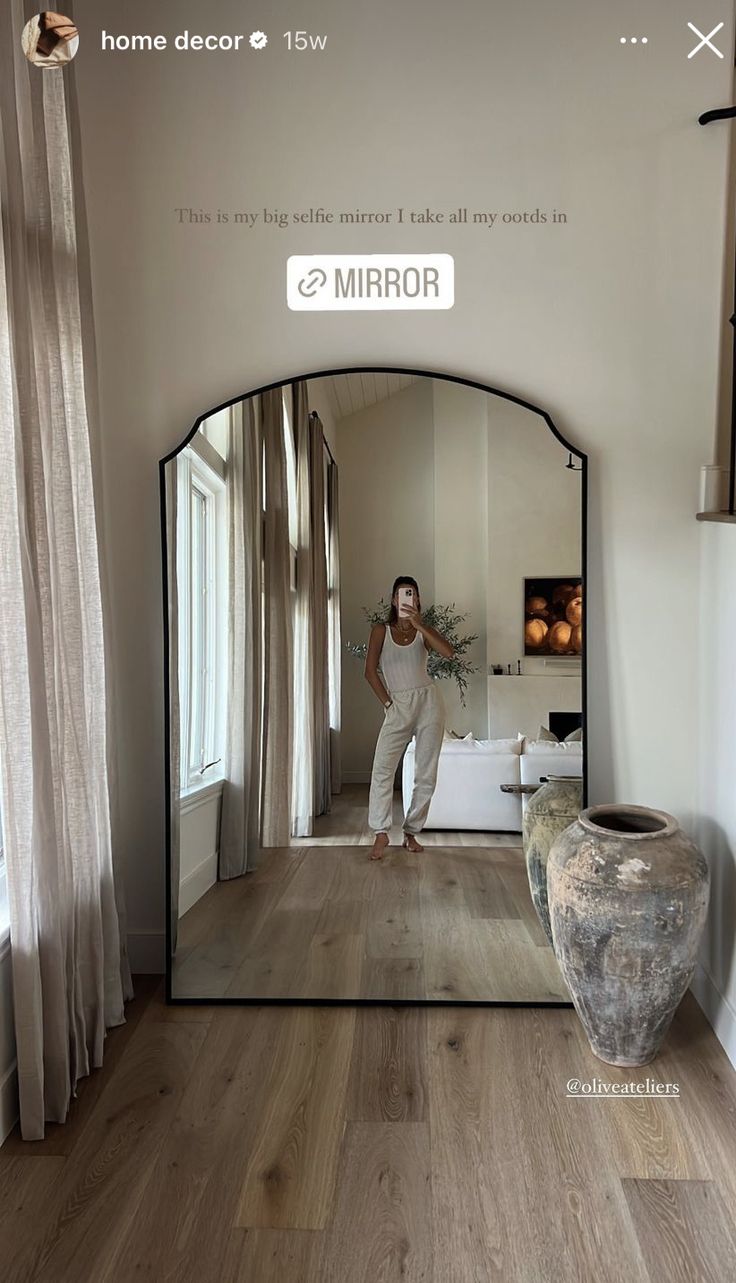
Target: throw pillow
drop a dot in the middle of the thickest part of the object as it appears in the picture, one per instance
(575, 737)
(544, 733)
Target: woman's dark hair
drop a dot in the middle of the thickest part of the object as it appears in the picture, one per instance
(398, 583)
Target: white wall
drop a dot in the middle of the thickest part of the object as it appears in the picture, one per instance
(534, 530)
(483, 482)
(413, 501)
(199, 842)
(525, 703)
(534, 523)
(715, 681)
(611, 322)
(461, 547)
(387, 520)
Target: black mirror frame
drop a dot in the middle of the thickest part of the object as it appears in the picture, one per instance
(244, 396)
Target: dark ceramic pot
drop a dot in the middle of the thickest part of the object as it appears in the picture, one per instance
(628, 896)
(548, 812)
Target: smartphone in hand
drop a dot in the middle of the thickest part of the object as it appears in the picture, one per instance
(406, 599)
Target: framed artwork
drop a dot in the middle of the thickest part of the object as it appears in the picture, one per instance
(553, 615)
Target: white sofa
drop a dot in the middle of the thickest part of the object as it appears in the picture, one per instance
(470, 774)
(540, 759)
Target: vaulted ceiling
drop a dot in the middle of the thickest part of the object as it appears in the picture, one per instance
(348, 393)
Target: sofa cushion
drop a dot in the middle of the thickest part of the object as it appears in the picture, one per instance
(571, 747)
(471, 745)
(545, 735)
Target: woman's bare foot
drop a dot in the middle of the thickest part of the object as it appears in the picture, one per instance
(379, 846)
(411, 843)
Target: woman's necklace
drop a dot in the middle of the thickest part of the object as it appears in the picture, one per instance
(404, 630)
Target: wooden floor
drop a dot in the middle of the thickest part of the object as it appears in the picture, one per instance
(373, 1145)
(347, 825)
(455, 922)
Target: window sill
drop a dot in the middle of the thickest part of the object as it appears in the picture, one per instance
(196, 794)
(728, 518)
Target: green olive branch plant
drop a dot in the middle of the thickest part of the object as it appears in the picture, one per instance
(447, 621)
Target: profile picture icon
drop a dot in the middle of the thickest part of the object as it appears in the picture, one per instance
(49, 39)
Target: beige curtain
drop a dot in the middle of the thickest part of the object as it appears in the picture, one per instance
(239, 830)
(320, 625)
(68, 978)
(277, 632)
(334, 631)
(312, 769)
(304, 766)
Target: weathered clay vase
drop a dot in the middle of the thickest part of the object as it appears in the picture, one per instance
(548, 812)
(628, 896)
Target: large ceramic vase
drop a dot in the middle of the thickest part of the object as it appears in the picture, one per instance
(628, 895)
(548, 812)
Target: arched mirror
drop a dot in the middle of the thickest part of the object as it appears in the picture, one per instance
(374, 615)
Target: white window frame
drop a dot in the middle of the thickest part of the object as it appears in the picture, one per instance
(203, 762)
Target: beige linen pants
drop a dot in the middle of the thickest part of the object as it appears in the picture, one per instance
(419, 713)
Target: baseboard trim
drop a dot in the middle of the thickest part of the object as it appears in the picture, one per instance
(356, 777)
(9, 1106)
(147, 952)
(717, 1010)
(197, 882)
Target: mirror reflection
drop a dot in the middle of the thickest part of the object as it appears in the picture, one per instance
(376, 618)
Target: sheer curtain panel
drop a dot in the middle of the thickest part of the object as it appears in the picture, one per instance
(320, 622)
(68, 977)
(304, 766)
(277, 631)
(312, 739)
(334, 631)
(239, 829)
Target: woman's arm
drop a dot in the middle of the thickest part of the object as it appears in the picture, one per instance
(433, 639)
(375, 642)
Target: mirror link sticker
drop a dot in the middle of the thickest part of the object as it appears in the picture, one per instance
(370, 282)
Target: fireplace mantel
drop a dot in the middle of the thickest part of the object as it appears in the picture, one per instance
(523, 702)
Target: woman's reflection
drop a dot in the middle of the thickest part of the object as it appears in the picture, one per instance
(396, 670)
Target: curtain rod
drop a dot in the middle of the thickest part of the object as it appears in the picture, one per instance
(313, 415)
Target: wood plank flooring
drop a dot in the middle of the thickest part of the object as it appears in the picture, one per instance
(323, 921)
(375, 1145)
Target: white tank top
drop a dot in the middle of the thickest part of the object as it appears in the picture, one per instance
(404, 667)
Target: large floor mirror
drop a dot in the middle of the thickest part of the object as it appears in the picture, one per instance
(374, 601)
